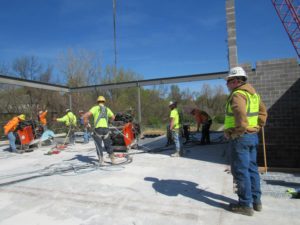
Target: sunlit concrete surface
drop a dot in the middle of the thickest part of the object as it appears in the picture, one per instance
(70, 188)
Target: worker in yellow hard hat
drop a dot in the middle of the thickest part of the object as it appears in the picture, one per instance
(9, 129)
(102, 115)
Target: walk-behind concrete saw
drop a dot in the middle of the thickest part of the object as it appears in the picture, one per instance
(124, 132)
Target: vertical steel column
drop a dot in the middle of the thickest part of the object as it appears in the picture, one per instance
(115, 35)
(139, 104)
(70, 100)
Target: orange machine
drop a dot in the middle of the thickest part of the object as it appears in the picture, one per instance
(124, 132)
(25, 135)
(128, 134)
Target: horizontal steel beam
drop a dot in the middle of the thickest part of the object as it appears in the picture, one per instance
(157, 81)
(33, 84)
(137, 83)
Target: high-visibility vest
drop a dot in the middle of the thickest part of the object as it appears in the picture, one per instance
(42, 118)
(11, 125)
(252, 108)
(69, 119)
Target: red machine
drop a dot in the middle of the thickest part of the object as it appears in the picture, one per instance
(124, 132)
(289, 14)
(25, 135)
(128, 134)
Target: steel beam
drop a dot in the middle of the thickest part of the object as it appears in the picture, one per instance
(33, 84)
(137, 83)
(157, 81)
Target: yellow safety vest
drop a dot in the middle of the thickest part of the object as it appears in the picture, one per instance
(252, 107)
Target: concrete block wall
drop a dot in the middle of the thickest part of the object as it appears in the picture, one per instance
(278, 83)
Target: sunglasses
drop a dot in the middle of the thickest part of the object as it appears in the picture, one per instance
(228, 81)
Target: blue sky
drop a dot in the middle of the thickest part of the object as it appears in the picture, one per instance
(155, 38)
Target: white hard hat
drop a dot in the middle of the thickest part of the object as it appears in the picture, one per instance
(236, 72)
(172, 103)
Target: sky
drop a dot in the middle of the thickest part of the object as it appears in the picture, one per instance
(155, 38)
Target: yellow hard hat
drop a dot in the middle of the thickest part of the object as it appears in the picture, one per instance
(100, 99)
(22, 117)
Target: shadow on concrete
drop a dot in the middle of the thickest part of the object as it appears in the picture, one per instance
(215, 153)
(84, 158)
(189, 189)
(7, 149)
(282, 183)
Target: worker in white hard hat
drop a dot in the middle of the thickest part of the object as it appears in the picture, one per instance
(175, 128)
(102, 115)
(245, 115)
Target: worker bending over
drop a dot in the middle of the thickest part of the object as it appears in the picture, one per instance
(70, 121)
(101, 115)
(202, 118)
(9, 129)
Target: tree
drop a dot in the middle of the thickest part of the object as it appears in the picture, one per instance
(80, 68)
(27, 67)
(4, 68)
(175, 94)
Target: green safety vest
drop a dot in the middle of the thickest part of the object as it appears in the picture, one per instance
(252, 107)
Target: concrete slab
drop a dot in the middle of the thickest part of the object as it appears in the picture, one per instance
(69, 188)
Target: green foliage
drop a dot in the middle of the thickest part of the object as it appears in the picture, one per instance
(219, 118)
(84, 68)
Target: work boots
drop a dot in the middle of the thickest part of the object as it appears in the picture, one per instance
(112, 158)
(176, 154)
(257, 207)
(244, 210)
(101, 161)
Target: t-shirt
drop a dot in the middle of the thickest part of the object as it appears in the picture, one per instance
(174, 114)
(96, 110)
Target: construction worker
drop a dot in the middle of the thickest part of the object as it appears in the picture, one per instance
(9, 129)
(202, 118)
(169, 136)
(86, 134)
(245, 115)
(42, 118)
(101, 115)
(175, 127)
(70, 121)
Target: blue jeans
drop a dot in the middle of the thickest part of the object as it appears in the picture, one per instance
(177, 140)
(12, 141)
(244, 169)
(71, 133)
(86, 136)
